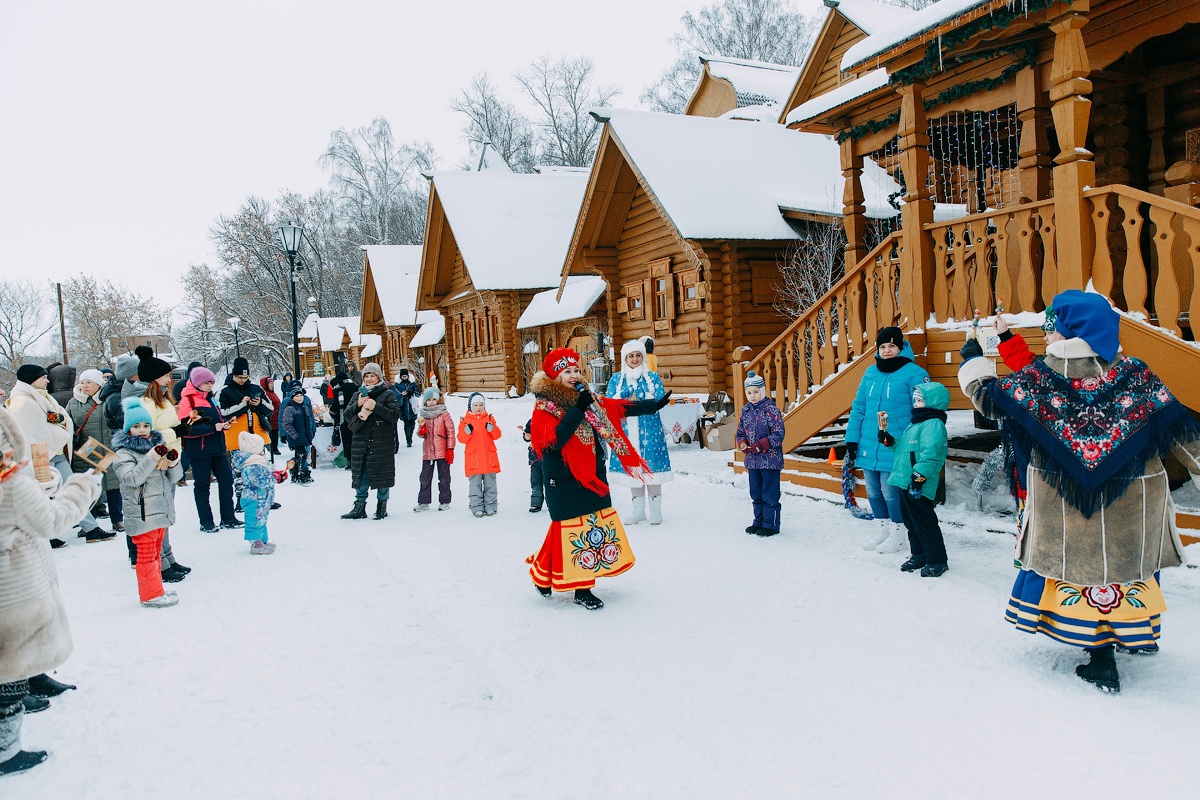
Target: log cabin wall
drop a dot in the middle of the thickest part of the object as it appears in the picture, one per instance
(474, 342)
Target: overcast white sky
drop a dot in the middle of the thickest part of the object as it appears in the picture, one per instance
(126, 127)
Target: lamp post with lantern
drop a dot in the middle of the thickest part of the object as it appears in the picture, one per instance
(290, 236)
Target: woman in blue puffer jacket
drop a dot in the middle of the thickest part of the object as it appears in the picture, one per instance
(887, 386)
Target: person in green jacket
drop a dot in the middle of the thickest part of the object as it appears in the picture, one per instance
(920, 453)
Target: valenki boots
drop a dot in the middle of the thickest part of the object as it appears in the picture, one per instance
(896, 541)
(879, 537)
(639, 509)
(654, 509)
(1101, 670)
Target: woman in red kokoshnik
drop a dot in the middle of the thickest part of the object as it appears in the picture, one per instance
(569, 431)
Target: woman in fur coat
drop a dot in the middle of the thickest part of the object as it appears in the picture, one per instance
(636, 381)
(34, 635)
(570, 429)
(1093, 427)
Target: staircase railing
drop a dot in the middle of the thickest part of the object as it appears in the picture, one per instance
(1146, 254)
(833, 332)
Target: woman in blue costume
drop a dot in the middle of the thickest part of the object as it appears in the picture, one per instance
(637, 382)
(1093, 427)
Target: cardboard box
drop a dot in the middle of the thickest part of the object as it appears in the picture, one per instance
(721, 436)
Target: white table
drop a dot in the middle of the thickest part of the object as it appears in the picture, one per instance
(679, 419)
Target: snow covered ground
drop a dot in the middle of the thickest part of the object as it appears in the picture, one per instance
(412, 658)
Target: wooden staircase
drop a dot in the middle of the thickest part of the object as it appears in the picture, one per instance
(1141, 250)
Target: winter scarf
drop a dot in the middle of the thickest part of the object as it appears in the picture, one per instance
(919, 415)
(433, 412)
(1095, 434)
(603, 417)
(138, 444)
(886, 365)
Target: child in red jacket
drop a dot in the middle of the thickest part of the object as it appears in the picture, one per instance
(437, 429)
(478, 431)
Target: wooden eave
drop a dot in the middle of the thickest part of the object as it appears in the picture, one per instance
(370, 315)
(707, 84)
(817, 58)
(437, 255)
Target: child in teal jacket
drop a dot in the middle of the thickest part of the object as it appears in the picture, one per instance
(920, 453)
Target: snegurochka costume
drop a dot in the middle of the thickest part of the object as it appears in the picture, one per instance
(1099, 524)
(570, 431)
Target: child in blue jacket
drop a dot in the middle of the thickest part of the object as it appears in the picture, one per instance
(258, 492)
(760, 437)
(299, 426)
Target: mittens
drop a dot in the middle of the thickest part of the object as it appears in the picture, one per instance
(661, 403)
(762, 446)
(469, 429)
(970, 350)
(916, 485)
(886, 439)
(161, 449)
(490, 427)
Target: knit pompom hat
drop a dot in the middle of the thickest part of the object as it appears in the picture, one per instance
(200, 376)
(250, 443)
(150, 368)
(135, 413)
(432, 393)
(754, 379)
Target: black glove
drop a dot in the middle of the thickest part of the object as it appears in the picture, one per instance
(585, 399)
(469, 429)
(666, 399)
(886, 439)
(916, 485)
(970, 350)
(851, 451)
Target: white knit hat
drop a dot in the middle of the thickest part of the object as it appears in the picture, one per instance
(93, 375)
(250, 443)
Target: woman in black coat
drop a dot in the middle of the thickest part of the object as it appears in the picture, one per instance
(371, 418)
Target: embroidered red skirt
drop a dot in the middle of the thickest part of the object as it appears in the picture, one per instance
(578, 551)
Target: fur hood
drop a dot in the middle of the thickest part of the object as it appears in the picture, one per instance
(548, 388)
(138, 444)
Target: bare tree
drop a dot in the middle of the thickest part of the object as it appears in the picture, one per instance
(564, 91)
(378, 183)
(491, 120)
(915, 5)
(105, 318)
(774, 31)
(810, 268)
(26, 318)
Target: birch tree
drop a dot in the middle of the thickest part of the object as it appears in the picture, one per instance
(495, 121)
(105, 318)
(563, 91)
(26, 318)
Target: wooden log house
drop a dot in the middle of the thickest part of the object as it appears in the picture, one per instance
(572, 320)
(738, 88)
(389, 309)
(687, 219)
(1069, 130)
(493, 240)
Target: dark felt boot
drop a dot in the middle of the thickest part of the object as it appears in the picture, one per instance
(1101, 670)
(585, 598)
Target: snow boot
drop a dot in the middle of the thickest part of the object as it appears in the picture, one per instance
(421, 507)
(119, 527)
(57, 543)
(752, 529)
(534, 509)
(170, 575)
(165, 600)
(654, 509)
(1148, 650)
(209, 528)
(23, 760)
(275, 506)
(913, 564)
(585, 598)
(380, 509)
(45, 686)
(34, 704)
(639, 510)
(100, 511)
(181, 568)
(1101, 670)
(896, 541)
(544, 591)
(97, 534)
(478, 514)
(260, 548)
(443, 506)
(767, 531)
(934, 570)
(358, 512)
(879, 537)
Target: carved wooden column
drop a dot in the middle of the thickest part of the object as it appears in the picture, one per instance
(1033, 168)
(854, 210)
(1156, 128)
(916, 264)
(1074, 169)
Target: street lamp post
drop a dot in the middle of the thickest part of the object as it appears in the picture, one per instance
(237, 345)
(290, 235)
(266, 357)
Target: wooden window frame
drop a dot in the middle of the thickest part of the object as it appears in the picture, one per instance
(689, 280)
(633, 302)
(660, 273)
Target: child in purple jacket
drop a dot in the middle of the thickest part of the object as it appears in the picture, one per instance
(760, 437)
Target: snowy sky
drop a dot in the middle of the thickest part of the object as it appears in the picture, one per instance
(126, 127)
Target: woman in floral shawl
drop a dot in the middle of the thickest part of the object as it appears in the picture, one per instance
(570, 429)
(1093, 427)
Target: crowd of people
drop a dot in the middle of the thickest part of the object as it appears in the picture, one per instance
(1084, 428)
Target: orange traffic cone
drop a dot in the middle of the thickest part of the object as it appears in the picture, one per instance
(833, 459)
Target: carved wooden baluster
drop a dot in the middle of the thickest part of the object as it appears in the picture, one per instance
(843, 332)
(814, 349)
(959, 297)
(1006, 283)
(941, 283)
(1103, 274)
(887, 294)
(1049, 279)
(1191, 230)
(981, 286)
(1136, 283)
(1029, 267)
(856, 312)
(827, 354)
(777, 372)
(795, 362)
(1168, 291)
(797, 343)
(871, 291)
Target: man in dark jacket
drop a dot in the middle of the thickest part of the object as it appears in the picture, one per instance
(372, 416)
(406, 389)
(242, 398)
(344, 392)
(62, 382)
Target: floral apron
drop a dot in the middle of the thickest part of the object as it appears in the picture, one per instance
(579, 550)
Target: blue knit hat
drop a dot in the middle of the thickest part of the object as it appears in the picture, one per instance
(471, 400)
(1090, 317)
(432, 393)
(754, 379)
(135, 412)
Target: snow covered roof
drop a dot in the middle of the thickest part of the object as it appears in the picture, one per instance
(578, 297)
(869, 16)
(331, 329)
(759, 113)
(513, 230)
(755, 83)
(909, 27)
(371, 344)
(851, 90)
(309, 329)
(724, 179)
(432, 332)
(394, 269)
(490, 160)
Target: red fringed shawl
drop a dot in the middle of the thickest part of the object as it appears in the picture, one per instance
(579, 453)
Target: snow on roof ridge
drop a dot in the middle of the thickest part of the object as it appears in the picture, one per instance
(748, 62)
(577, 300)
(869, 16)
(911, 26)
(851, 90)
(755, 82)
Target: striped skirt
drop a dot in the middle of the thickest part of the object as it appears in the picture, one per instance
(1126, 614)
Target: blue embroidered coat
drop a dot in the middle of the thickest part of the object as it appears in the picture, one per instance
(882, 391)
(258, 484)
(759, 421)
(645, 433)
